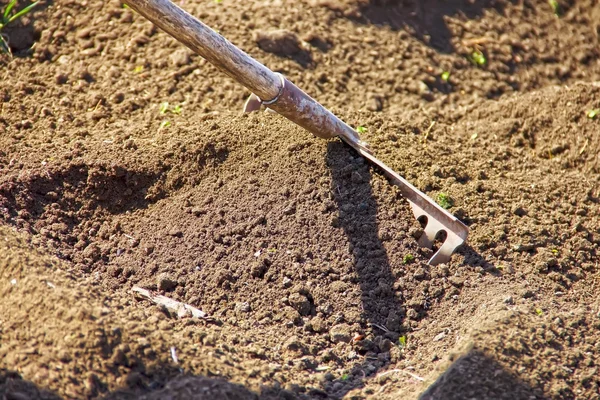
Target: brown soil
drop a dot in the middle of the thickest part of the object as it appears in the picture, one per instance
(293, 245)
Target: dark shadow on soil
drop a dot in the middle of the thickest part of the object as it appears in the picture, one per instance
(423, 19)
(478, 376)
(357, 209)
(474, 259)
(472, 376)
(13, 386)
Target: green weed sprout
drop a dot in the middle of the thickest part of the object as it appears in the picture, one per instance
(478, 58)
(408, 258)
(445, 200)
(345, 377)
(402, 342)
(164, 107)
(445, 76)
(6, 18)
(361, 129)
(165, 124)
(592, 114)
(555, 7)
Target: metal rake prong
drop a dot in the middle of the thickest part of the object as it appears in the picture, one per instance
(454, 237)
(438, 219)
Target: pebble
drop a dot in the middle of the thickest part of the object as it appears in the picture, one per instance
(301, 303)
(340, 333)
(243, 307)
(509, 300)
(165, 282)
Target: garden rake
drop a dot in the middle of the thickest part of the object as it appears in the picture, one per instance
(277, 93)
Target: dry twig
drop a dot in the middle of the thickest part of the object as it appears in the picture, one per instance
(181, 309)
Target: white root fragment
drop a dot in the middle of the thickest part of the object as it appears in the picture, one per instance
(181, 309)
(402, 371)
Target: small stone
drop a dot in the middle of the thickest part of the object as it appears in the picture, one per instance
(281, 42)
(166, 283)
(340, 333)
(243, 307)
(412, 314)
(293, 344)
(509, 300)
(180, 57)
(419, 274)
(318, 325)
(258, 270)
(176, 233)
(519, 211)
(61, 79)
(287, 282)
(375, 103)
(439, 337)
(456, 281)
(527, 294)
(393, 321)
(301, 303)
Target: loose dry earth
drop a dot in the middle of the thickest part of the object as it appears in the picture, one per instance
(304, 257)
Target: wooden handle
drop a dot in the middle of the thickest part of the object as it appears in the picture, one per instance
(209, 44)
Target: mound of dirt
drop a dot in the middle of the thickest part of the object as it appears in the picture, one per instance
(122, 164)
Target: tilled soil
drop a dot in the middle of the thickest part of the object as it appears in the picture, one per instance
(303, 256)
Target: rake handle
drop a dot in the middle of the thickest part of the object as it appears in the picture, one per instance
(273, 89)
(210, 45)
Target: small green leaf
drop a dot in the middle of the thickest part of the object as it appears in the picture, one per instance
(556, 9)
(345, 377)
(592, 114)
(176, 109)
(402, 342)
(165, 124)
(138, 69)
(164, 107)
(539, 311)
(7, 10)
(23, 11)
(445, 76)
(445, 200)
(408, 258)
(361, 129)
(478, 58)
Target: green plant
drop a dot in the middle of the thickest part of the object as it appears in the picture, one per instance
(592, 114)
(345, 377)
(361, 129)
(555, 7)
(445, 200)
(6, 18)
(402, 342)
(164, 108)
(478, 58)
(445, 76)
(165, 124)
(408, 258)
